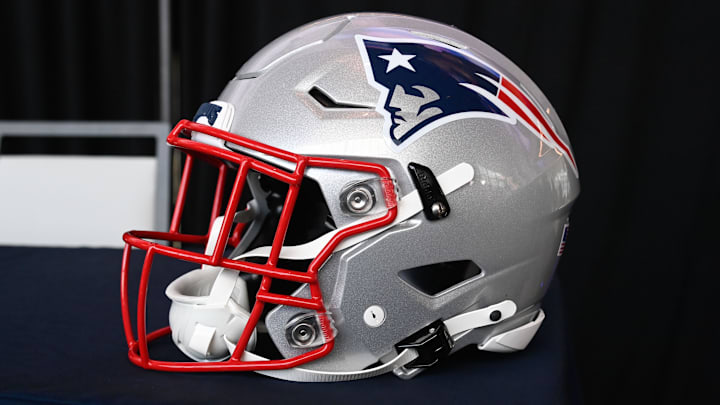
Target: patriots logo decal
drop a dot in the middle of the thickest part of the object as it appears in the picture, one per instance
(424, 84)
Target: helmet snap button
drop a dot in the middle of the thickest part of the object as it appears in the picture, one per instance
(374, 316)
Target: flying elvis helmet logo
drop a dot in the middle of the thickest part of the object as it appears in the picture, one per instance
(424, 84)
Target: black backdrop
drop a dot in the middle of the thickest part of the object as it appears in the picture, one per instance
(634, 83)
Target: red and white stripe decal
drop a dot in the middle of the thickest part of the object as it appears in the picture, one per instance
(507, 86)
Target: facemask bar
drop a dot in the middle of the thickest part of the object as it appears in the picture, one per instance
(138, 348)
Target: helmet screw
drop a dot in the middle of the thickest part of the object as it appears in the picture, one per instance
(359, 200)
(495, 315)
(303, 334)
(439, 209)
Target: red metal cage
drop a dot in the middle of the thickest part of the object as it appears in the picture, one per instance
(222, 158)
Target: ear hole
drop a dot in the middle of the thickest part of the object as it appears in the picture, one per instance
(436, 278)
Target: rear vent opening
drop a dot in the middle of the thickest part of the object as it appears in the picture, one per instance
(326, 101)
(436, 278)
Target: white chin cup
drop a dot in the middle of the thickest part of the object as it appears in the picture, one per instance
(208, 306)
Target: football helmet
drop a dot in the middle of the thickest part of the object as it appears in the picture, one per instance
(390, 189)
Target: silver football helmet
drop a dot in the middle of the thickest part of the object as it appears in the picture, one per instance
(399, 190)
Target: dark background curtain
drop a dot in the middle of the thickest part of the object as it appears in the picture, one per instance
(634, 82)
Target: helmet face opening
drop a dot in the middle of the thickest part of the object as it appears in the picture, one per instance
(219, 339)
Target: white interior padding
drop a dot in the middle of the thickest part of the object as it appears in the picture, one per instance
(213, 238)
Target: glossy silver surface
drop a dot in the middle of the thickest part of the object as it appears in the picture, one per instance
(508, 220)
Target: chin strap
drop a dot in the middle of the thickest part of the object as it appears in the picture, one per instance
(455, 326)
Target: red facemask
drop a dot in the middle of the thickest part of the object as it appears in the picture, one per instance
(230, 234)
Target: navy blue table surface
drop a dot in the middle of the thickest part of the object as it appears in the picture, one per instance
(61, 341)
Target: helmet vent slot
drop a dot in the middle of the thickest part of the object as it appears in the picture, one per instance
(436, 278)
(326, 101)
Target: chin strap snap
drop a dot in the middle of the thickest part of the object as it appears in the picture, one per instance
(437, 340)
